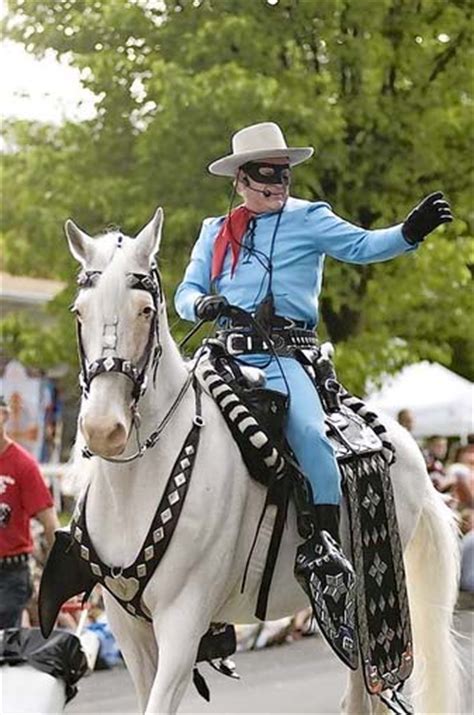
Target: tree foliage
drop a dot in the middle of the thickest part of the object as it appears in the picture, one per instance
(381, 89)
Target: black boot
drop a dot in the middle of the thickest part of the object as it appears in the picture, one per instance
(326, 517)
(327, 577)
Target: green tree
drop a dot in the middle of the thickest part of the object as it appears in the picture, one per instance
(381, 89)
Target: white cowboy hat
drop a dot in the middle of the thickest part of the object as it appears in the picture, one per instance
(259, 141)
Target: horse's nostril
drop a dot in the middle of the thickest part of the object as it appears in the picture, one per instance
(117, 435)
(104, 434)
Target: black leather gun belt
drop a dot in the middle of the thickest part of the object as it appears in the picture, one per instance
(283, 342)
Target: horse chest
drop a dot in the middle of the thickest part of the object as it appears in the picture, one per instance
(127, 584)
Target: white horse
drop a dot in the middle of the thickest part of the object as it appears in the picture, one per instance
(199, 579)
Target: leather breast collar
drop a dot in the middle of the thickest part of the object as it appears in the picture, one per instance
(128, 584)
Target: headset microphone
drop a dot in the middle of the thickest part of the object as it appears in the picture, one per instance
(265, 192)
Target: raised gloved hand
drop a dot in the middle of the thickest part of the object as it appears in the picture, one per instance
(428, 215)
(209, 307)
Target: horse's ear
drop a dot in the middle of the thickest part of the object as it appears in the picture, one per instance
(148, 240)
(80, 244)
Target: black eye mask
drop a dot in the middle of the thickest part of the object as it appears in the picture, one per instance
(265, 173)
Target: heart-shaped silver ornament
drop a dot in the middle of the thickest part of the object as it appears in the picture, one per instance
(123, 588)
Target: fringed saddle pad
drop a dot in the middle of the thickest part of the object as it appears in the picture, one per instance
(385, 637)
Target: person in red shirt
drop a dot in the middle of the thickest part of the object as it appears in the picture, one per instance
(23, 494)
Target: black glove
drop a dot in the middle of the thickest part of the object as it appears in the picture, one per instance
(209, 307)
(433, 211)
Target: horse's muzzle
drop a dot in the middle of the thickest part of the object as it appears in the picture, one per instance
(104, 434)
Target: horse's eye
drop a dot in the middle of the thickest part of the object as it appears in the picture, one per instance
(148, 311)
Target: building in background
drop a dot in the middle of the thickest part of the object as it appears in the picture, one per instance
(33, 397)
(23, 294)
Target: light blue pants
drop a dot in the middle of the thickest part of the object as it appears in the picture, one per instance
(305, 430)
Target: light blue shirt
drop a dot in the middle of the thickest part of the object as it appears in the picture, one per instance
(306, 233)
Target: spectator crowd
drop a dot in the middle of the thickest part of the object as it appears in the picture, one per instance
(450, 466)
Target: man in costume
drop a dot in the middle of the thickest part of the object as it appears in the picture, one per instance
(266, 257)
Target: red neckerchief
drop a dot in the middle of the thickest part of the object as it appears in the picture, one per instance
(231, 233)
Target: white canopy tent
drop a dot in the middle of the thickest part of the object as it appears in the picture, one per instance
(440, 400)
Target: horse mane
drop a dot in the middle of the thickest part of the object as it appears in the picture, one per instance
(78, 470)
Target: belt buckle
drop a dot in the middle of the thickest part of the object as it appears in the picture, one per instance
(228, 343)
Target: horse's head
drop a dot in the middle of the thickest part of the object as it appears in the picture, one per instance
(118, 310)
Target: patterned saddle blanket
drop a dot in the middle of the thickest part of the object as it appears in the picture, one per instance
(364, 453)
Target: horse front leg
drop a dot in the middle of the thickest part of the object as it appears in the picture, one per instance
(137, 643)
(178, 630)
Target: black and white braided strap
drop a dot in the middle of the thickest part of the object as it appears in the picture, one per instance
(361, 409)
(241, 421)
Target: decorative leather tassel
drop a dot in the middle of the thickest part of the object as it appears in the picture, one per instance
(201, 685)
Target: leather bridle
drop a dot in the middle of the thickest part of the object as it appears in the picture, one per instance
(137, 372)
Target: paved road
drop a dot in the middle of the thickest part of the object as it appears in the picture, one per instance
(300, 678)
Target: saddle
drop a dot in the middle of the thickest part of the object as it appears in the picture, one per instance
(255, 416)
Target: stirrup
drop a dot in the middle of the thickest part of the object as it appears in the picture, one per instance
(328, 579)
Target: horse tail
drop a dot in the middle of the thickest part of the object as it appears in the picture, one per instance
(432, 561)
